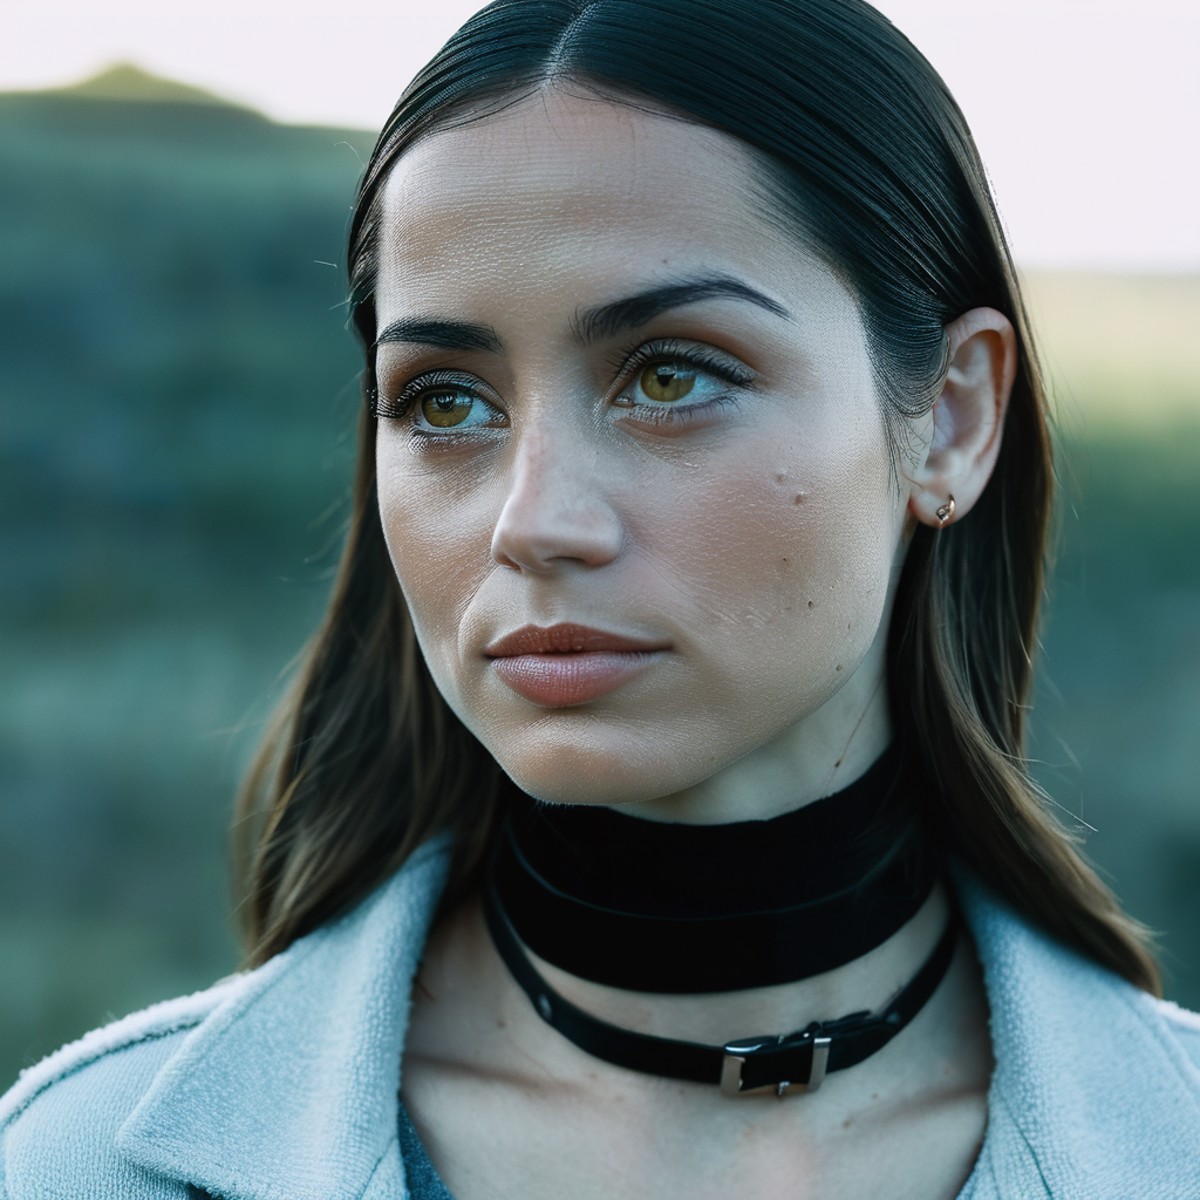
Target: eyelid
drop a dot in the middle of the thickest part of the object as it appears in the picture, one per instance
(700, 355)
(401, 404)
(676, 419)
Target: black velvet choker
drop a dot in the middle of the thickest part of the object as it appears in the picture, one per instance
(675, 908)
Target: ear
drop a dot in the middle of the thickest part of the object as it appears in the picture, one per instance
(968, 418)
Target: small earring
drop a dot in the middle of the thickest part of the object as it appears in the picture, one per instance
(945, 511)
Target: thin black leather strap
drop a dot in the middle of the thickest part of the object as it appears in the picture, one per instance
(774, 1063)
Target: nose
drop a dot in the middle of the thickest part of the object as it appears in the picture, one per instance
(557, 508)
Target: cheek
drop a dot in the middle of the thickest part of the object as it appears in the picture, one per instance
(789, 567)
(438, 535)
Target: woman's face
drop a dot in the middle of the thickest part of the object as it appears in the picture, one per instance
(621, 400)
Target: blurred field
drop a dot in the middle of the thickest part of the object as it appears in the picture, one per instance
(177, 394)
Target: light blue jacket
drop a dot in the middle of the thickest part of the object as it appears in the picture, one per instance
(281, 1083)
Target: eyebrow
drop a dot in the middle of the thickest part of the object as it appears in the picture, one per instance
(620, 316)
(590, 324)
(442, 334)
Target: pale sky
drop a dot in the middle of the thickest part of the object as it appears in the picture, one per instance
(1087, 112)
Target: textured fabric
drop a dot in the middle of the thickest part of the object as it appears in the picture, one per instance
(281, 1083)
(1097, 1084)
(424, 1183)
(277, 1085)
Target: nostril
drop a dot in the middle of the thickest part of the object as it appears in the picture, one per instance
(501, 559)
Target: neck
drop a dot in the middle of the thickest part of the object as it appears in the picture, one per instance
(811, 759)
(472, 1021)
(683, 931)
(866, 983)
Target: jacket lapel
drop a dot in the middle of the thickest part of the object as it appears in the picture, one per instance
(1091, 1095)
(288, 1090)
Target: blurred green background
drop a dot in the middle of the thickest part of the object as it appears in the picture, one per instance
(177, 394)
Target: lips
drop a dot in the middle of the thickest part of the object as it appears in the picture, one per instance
(566, 639)
(563, 665)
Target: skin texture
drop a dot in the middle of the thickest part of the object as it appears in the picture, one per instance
(755, 540)
(507, 1110)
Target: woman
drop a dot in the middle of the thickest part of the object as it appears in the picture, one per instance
(650, 817)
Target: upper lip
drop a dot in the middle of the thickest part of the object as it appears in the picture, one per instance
(565, 639)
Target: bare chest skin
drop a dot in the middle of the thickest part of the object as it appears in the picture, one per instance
(509, 1109)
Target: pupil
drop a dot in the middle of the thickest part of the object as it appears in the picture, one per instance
(668, 381)
(445, 403)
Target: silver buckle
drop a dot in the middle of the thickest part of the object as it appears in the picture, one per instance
(736, 1054)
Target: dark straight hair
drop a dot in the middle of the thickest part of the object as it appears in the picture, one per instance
(862, 153)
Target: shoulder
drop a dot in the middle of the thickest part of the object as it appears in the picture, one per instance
(278, 1081)
(77, 1099)
(1182, 1025)
(1096, 1086)
(1037, 982)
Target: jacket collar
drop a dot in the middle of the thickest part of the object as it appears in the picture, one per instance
(1091, 1095)
(288, 1089)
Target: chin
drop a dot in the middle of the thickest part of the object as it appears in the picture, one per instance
(580, 771)
(585, 782)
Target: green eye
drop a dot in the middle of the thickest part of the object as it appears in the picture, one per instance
(444, 410)
(667, 381)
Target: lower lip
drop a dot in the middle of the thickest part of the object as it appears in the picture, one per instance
(561, 680)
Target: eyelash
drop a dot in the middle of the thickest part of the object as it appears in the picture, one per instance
(628, 366)
(720, 366)
(401, 406)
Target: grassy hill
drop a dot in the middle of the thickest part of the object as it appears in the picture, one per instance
(178, 394)
(1122, 349)
(129, 82)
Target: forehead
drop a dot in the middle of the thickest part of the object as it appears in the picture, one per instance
(560, 182)
(560, 137)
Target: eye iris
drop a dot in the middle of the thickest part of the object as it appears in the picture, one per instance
(667, 381)
(445, 409)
